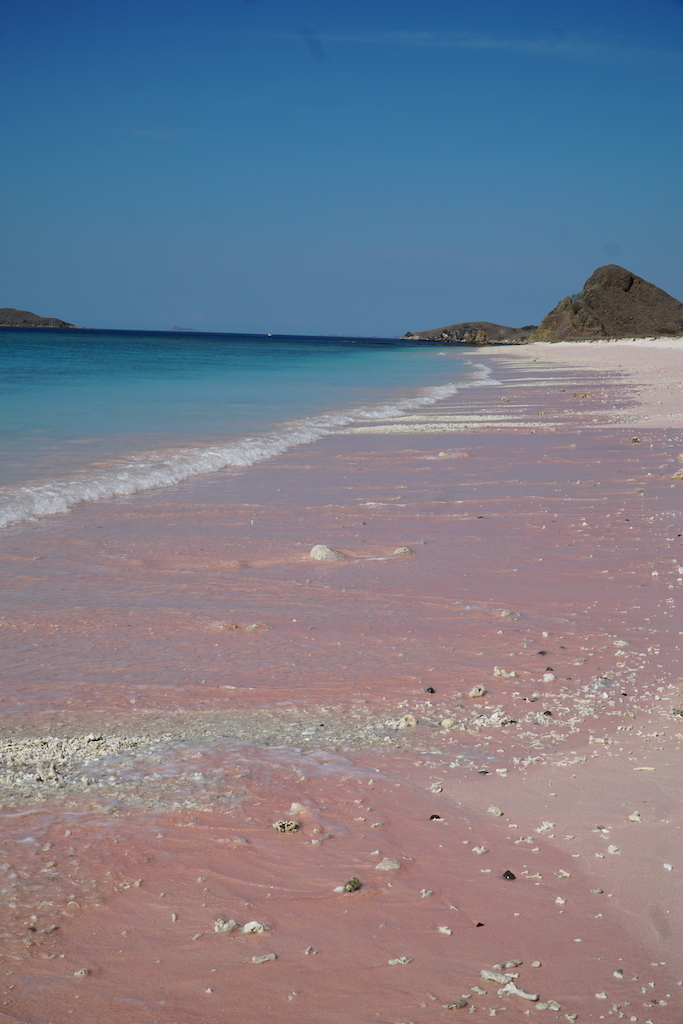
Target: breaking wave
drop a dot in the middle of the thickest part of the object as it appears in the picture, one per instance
(153, 470)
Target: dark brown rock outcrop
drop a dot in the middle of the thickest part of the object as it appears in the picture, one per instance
(22, 318)
(614, 303)
(474, 332)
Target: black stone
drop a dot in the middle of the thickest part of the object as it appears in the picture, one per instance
(429, 689)
(435, 817)
(509, 876)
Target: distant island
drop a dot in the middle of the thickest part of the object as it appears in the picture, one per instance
(614, 303)
(22, 318)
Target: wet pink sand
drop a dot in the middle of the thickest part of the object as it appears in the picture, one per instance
(545, 541)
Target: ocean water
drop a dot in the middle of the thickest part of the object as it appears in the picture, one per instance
(90, 415)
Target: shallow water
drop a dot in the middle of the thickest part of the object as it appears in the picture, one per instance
(90, 415)
(257, 680)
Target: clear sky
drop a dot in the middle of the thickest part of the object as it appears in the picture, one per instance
(360, 166)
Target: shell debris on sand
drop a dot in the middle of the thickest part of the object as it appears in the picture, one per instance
(254, 928)
(221, 926)
(511, 990)
(497, 976)
(286, 826)
(477, 691)
(400, 960)
(263, 958)
(388, 864)
(495, 810)
(404, 551)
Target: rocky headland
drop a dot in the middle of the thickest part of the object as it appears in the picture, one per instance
(23, 318)
(614, 303)
(474, 332)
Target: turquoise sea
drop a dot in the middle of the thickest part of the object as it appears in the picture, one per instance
(88, 415)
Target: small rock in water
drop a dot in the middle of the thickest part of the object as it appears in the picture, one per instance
(404, 551)
(436, 787)
(264, 958)
(508, 875)
(495, 810)
(400, 960)
(254, 928)
(353, 885)
(321, 553)
(388, 864)
(460, 1005)
(477, 691)
(286, 826)
(447, 723)
(444, 930)
(435, 817)
(429, 689)
(549, 677)
(635, 816)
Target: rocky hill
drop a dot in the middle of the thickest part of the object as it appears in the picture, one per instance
(614, 303)
(22, 318)
(475, 332)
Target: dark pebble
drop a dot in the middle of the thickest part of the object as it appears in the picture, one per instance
(435, 817)
(429, 689)
(509, 876)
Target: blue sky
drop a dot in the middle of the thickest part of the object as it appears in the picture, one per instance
(362, 166)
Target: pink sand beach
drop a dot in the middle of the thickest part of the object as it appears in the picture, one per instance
(485, 731)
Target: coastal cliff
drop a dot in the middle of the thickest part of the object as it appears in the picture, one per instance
(614, 303)
(22, 318)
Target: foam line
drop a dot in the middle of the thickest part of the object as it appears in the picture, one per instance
(153, 470)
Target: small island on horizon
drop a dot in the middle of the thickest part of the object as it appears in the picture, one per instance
(23, 318)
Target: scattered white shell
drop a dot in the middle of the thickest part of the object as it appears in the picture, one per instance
(668, 867)
(224, 926)
(549, 677)
(552, 1004)
(495, 810)
(511, 990)
(388, 864)
(321, 553)
(547, 826)
(497, 976)
(601, 995)
(447, 723)
(83, 973)
(400, 960)
(407, 722)
(562, 873)
(560, 900)
(426, 893)
(297, 808)
(478, 990)
(254, 928)
(536, 963)
(479, 849)
(264, 958)
(478, 691)
(404, 551)
(444, 930)
(613, 849)
(436, 787)
(635, 816)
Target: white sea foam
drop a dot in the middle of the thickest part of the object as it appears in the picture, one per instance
(153, 470)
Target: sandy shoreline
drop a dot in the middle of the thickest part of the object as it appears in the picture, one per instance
(224, 681)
